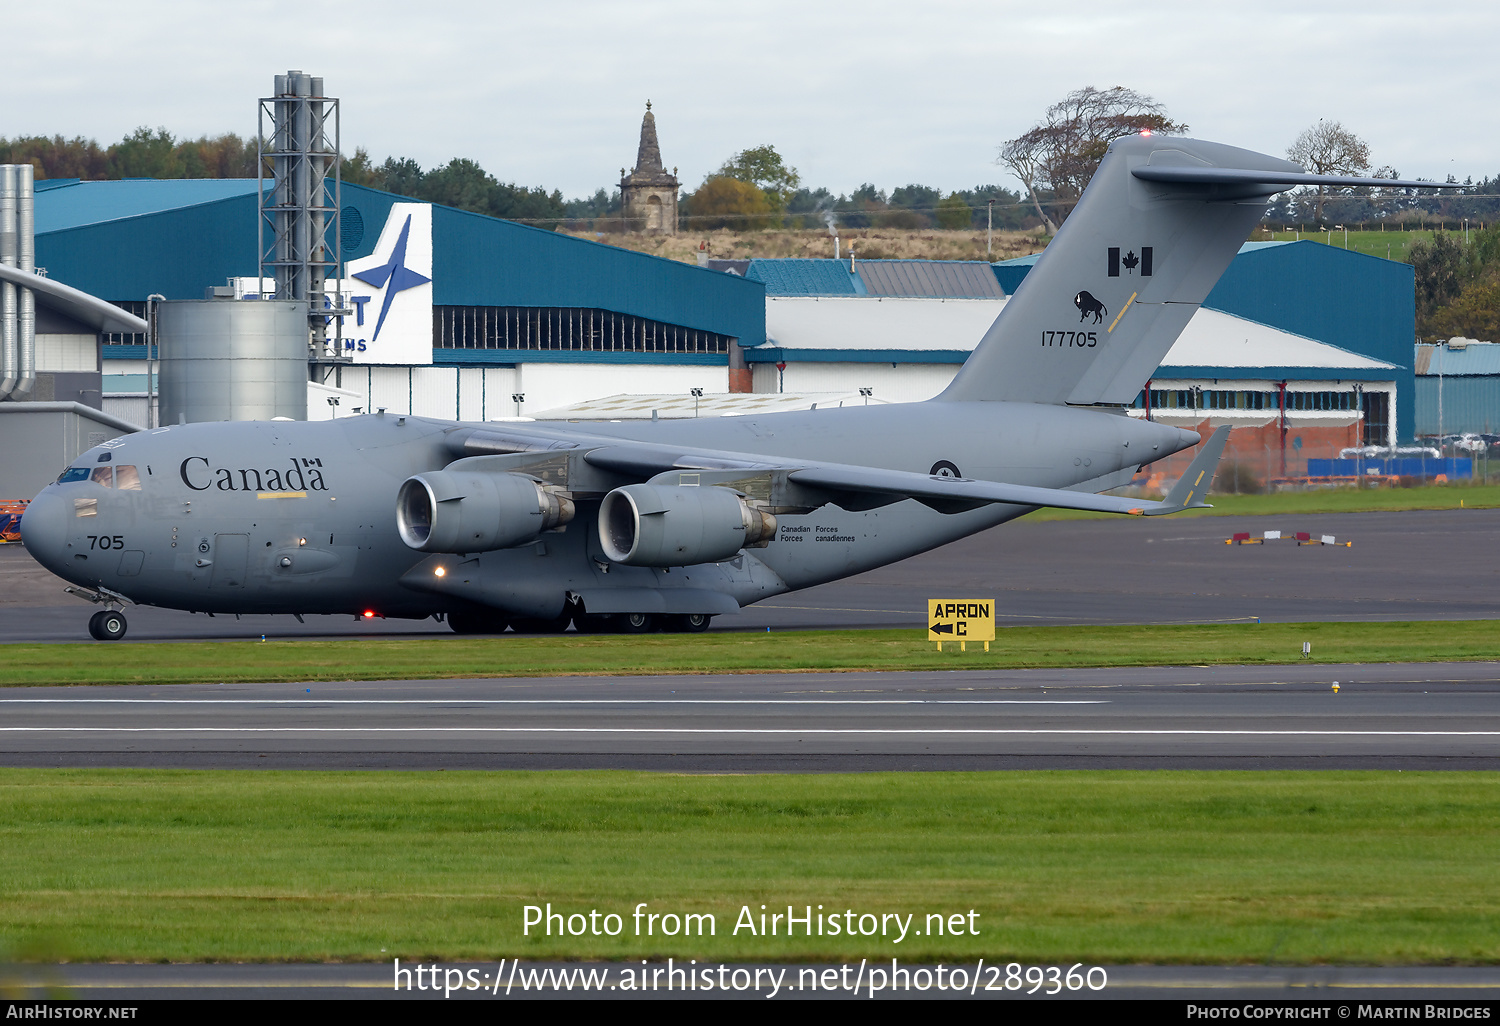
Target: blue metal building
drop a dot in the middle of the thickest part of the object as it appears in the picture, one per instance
(1458, 388)
(503, 295)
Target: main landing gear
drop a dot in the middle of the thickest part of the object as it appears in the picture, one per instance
(107, 625)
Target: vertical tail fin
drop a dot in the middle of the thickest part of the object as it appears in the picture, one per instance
(1156, 227)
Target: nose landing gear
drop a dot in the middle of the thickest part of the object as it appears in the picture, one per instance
(107, 625)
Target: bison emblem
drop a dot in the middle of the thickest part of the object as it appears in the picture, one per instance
(1087, 304)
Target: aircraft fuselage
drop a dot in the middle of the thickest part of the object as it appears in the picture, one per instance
(299, 517)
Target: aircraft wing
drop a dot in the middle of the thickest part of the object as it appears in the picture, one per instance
(646, 459)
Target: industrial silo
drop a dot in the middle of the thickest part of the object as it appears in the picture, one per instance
(224, 358)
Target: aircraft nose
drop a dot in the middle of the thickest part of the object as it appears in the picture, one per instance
(44, 529)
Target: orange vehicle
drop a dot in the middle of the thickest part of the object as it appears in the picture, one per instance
(10, 521)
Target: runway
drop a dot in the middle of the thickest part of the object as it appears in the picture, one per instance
(1401, 716)
(1417, 565)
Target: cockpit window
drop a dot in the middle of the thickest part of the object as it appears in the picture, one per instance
(104, 476)
(73, 474)
(127, 478)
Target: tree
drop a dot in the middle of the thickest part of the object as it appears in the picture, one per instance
(57, 157)
(1439, 271)
(953, 212)
(600, 205)
(146, 154)
(401, 175)
(861, 204)
(762, 167)
(1458, 285)
(461, 183)
(360, 169)
(1474, 314)
(520, 203)
(726, 202)
(813, 208)
(1008, 210)
(1061, 152)
(1328, 148)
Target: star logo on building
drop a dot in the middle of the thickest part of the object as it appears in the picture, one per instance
(393, 276)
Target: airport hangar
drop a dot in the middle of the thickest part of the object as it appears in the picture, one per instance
(504, 309)
(512, 320)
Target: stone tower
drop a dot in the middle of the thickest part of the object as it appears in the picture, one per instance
(648, 192)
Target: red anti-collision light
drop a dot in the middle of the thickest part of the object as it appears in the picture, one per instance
(369, 614)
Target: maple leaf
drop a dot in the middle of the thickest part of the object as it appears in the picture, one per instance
(1130, 261)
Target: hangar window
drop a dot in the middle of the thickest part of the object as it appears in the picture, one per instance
(1320, 400)
(1376, 407)
(1207, 399)
(569, 329)
(120, 338)
(1227, 399)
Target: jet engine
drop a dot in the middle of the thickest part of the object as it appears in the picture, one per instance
(467, 511)
(652, 525)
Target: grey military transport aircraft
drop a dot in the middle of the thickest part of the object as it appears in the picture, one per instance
(639, 526)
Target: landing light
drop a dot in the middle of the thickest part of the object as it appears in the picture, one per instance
(439, 572)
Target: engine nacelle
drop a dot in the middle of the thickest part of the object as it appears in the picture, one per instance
(469, 511)
(651, 525)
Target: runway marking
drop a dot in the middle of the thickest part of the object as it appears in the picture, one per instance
(553, 701)
(749, 730)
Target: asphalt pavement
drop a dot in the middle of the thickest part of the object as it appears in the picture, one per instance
(1411, 716)
(1420, 565)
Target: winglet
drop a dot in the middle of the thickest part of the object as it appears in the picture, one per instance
(1194, 484)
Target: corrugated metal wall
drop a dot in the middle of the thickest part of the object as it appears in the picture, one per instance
(903, 383)
(484, 393)
(480, 261)
(1469, 404)
(477, 261)
(177, 253)
(1361, 303)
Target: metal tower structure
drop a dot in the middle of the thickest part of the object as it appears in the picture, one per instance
(301, 208)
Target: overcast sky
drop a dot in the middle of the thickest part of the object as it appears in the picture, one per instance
(551, 93)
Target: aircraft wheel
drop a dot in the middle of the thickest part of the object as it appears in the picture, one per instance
(107, 625)
(688, 623)
(637, 623)
(542, 625)
(477, 623)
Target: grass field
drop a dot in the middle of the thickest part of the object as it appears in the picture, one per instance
(868, 243)
(1109, 867)
(1389, 245)
(304, 660)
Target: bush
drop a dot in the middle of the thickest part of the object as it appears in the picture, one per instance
(1238, 479)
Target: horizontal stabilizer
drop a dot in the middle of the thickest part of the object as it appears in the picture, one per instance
(1249, 176)
(1158, 224)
